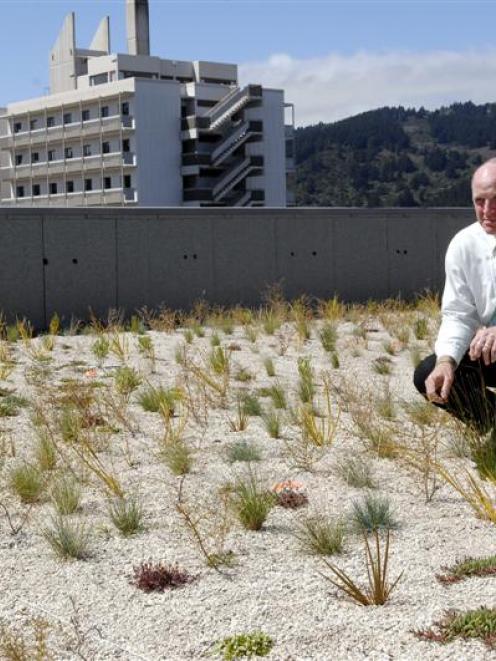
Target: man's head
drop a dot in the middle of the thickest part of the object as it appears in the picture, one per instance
(484, 195)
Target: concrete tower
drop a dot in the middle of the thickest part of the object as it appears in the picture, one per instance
(138, 27)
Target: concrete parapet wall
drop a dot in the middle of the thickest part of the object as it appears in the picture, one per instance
(70, 260)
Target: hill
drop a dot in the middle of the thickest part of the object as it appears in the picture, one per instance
(395, 157)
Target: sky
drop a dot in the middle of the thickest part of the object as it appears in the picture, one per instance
(333, 58)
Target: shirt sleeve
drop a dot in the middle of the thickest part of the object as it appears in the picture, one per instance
(460, 318)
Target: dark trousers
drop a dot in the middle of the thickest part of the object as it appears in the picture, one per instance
(469, 399)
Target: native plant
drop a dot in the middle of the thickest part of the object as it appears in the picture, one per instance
(27, 482)
(372, 513)
(234, 647)
(158, 577)
(127, 515)
(379, 588)
(476, 623)
(320, 535)
(356, 472)
(251, 502)
(67, 539)
(485, 566)
(66, 495)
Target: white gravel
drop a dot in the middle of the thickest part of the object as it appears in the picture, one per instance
(274, 587)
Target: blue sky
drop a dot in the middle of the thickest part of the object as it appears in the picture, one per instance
(333, 58)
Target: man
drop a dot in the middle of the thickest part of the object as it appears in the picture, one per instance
(457, 375)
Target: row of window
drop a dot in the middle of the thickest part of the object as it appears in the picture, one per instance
(53, 187)
(69, 152)
(68, 118)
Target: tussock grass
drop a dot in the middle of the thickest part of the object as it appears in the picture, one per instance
(320, 535)
(328, 337)
(127, 515)
(372, 513)
(251, 502)
(126, 380)
(269, 367)
(178, 457)
(356, 472)
(67, 540)
(27, 482)
(242, 451)
(66, 495)
(160, 400)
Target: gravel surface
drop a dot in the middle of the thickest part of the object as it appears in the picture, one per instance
(94, 611)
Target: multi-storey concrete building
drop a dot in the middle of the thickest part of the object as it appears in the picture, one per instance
(135, 129)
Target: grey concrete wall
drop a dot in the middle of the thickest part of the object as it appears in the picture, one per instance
(72, 260)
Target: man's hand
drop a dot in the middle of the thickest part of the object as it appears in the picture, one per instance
(484, 345)
(438, 383)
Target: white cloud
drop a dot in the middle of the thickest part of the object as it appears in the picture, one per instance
(337, 86)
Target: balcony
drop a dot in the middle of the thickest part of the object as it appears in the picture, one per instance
(105, 125)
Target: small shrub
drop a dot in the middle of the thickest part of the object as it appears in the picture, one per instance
(355, 472)
(328, 336)
(66, 539)
(16, 644)
(126, 380)
(244, 644)
(467, 568)
(127, 515)
(477, 623)
(66, 495)
(27, 482)
(290, 494)
(269, 367)
(158, 577)
(371, 514)
(251, 503)
(242, 451)
(319, 535)
(178, 457)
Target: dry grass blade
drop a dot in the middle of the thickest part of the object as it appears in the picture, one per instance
(379, 589)
(473, 492)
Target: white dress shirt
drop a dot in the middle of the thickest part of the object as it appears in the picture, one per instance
(469, 298)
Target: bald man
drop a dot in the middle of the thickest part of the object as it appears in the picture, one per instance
(457, 375)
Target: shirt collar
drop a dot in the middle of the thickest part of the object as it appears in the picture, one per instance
(490, 239)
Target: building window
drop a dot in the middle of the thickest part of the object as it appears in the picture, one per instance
(35, 157)
(69, 187)
(53, 189)
(85, 115)
(88, 184)
(105, 147)
(68, 152)
(107, 182)
(86, 150)
(125, 145)
(50, 122)
(17, 127)
(67, 118)
(20, 191)
(127, 181)
(18, 159)
(104, 111)
(36, 190)
(125, 108)
(51, 155)
(33, 124)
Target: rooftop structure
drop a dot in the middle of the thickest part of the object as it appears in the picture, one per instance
(119, 129)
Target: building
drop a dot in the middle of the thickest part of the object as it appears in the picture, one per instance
(119, 129)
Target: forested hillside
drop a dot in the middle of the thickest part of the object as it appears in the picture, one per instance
(395, 157)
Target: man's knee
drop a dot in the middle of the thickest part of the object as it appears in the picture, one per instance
(422, 371)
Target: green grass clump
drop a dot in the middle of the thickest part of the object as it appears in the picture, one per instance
(328, 336)
(269, 367)
(215, 340)
(242, 451)
(220, 360)
(127, 515)
(46, 453)
(278, 396)
(467, 568)
(356, 472)
(250, 405)
(256, 643)
(319, 535)
(272, 423)
(477, 623)
(421, 328)
(67, 540)
(160, 400)
(251, 502)
(420, 413)
(100, 348)
(382, 365)
(306, 385)
(126, 380)
(10, 405)
(66, 495)
(178, 457)
(27, 482)
(372, 513)
(243, 375)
